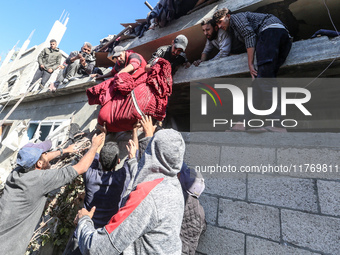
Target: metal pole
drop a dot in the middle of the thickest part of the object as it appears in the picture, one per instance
(148, 5)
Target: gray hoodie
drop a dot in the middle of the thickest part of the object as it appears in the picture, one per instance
(150, 221)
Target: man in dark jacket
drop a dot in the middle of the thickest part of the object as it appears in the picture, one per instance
(49, 60)
(174, 53)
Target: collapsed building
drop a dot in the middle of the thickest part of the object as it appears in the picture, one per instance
(247, 213)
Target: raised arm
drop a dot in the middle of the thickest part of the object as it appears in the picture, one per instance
(82, 166)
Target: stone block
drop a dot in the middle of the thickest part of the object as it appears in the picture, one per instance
(200, 155)
(251, 219)
(315, 232)
(283, 191)
(310, 163)
(257, 246)
(229, 187)
(245, 156)
(210, 205)
(329, 197)
(221, 241)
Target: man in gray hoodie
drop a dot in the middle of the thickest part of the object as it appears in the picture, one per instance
(150, 220)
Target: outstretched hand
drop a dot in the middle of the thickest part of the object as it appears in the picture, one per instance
(98, 140)
(83, 212)
(149, 128)
(132, 149)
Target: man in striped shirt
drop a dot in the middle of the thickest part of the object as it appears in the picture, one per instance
(269, 36)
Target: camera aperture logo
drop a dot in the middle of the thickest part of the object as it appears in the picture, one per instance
(204, 98)
(279, 101)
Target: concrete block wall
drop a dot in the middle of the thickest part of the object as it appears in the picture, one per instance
(270, 213)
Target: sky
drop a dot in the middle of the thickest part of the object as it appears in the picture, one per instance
(88, 21)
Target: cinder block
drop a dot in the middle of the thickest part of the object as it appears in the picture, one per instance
(221, 241)
(319, 233)
(202, 155)
(222, 185)
(252, 219)
(245, 156)
(282, 191)
(329, 197)
(310, 163)
(257, 246)
(209, 204)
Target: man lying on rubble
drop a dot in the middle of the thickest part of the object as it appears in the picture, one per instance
(149, 222)
(216, 38)
(27, 186)
(79, 64)
(174, 53)
(127, 61)
(269, 36)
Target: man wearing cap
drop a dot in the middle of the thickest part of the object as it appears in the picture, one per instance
(127, 61)
(174, 53)
(27, 186)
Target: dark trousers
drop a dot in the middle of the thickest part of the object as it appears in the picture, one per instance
(43, 74)
(272, 48)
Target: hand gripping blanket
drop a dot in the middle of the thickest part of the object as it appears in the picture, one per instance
(151, 91)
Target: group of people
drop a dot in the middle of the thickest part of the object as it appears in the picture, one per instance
(139, 208)
(148, 206)
(263, 35)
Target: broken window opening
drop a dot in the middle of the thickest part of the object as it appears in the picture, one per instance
(4, 130)
(11, 82)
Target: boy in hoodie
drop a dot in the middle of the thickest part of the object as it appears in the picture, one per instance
(150, 220)
(49, 60)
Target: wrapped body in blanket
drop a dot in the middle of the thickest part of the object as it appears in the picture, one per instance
(124, 100)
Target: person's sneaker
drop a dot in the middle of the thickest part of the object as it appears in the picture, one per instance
(65, 81)
(276, 129)
(73, 79)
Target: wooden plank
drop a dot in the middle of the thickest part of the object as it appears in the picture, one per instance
(102, 60)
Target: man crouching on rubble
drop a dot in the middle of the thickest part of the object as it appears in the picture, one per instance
(150, 220)
(27, 186)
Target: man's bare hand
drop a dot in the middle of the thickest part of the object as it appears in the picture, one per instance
(132, 149)
(97, 140)
(197, 62)
(50, 70)
(149, 129)
(83, 212)
(42, 66)
(71, 149)
(252, 70)
(187, 65)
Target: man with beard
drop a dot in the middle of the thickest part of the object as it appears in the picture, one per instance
(27, 187)
(216, 38)
(173, 53)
